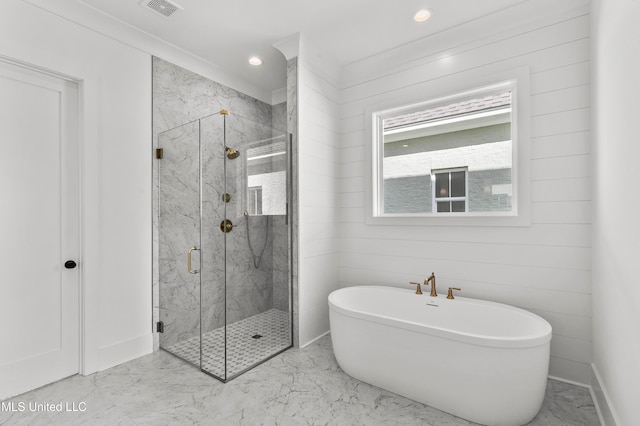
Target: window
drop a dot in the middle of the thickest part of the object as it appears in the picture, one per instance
(449, 191)
(254, 202)
(453, 156)
(266, 183)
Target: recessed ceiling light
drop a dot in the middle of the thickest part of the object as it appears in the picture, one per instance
(254, 60)
(422, 15)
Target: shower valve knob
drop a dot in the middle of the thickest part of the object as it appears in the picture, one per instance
(226, 225)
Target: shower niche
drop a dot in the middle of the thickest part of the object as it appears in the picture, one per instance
(224, 232)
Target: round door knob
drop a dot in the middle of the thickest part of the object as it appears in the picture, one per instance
(70, 264)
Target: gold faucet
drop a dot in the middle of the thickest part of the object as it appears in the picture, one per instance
(432, 278)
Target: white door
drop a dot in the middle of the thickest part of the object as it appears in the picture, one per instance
(39, 229)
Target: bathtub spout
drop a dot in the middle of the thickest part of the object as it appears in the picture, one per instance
(432, 279)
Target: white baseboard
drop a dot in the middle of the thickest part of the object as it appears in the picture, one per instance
(606, 413)
(122, 352)
(571, 382)
(313, 340)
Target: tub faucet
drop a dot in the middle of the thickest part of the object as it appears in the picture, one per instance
(432, 278)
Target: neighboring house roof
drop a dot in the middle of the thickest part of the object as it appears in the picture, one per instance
(486, 103)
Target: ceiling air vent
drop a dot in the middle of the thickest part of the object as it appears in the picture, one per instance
(165, 8)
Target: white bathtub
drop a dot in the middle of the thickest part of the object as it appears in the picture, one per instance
(485, 362)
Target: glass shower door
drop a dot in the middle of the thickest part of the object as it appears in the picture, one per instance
(214, 201)
(257, 261)
(179, 241)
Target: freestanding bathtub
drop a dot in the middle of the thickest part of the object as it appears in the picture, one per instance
(485, 362)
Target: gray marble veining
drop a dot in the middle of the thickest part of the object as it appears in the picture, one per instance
(179, 209)
(299, 387)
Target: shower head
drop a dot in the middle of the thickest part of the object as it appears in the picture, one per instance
(232, 154)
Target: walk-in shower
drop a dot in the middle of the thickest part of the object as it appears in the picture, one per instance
(224, 243)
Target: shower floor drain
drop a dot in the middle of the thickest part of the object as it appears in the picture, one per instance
(256, 336)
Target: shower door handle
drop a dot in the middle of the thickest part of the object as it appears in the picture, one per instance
(191, 271)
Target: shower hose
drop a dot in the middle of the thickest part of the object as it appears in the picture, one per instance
(256, 259)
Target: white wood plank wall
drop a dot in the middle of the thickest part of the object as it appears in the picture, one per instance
(319, 147)
(545, 267)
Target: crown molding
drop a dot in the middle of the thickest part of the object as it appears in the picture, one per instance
(81, 14)
(289, 47)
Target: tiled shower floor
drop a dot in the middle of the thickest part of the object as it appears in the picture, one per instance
(249, 342)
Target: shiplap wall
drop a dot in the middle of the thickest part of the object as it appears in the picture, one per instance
(318, 184)
(544, 267)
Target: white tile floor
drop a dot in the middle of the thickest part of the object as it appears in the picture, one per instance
(298, 387)
(249, 342)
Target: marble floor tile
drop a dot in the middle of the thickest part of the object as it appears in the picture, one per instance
(299, 387)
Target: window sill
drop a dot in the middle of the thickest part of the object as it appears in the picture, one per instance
(508, 219)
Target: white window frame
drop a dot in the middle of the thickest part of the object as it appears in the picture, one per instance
(254, 193)
(445, 90)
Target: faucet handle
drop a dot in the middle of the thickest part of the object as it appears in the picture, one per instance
(418, 289)
(450, 292)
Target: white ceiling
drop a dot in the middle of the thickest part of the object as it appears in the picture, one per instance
(227, 33)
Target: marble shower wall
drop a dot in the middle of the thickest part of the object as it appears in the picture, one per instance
(179, 97)
(249, 271)
(179, 208)
(281, 236)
